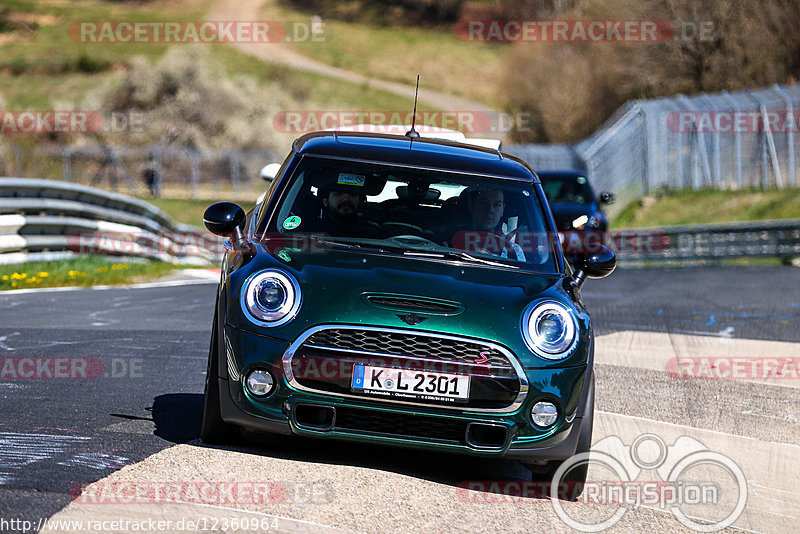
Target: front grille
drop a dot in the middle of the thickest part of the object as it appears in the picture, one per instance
(407, 345)
(324, 360)
(401, 425)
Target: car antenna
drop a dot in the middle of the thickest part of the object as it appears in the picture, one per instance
(412, 133)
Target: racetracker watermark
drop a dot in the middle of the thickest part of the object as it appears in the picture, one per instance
(427, 123)
(189, 32)
(69, 368)
(202, 492)
(585, 31)
(733, 122)
(144, 243)
(734, 368)
(69, 122)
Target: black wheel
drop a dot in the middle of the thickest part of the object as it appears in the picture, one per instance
(214, 430)
(575, 478)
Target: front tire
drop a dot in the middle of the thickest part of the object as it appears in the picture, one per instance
(214, 430)
(575, 478)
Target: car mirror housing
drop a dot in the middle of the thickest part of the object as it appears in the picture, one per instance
(223, 218)
(597, 264)
(607, 198)
(269, 172)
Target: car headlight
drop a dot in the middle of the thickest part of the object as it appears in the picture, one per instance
(550, 329)
(270, 298)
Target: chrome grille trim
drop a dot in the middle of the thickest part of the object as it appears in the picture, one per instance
(510, 358)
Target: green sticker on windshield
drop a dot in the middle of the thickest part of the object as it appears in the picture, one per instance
(581, 180)
(291, 222)
(351, 179)
(284, 256)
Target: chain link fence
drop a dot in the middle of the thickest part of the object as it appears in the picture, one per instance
(747, 139)
(151, 171)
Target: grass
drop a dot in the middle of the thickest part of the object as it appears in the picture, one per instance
(47, 63)
(447, 63)
(710, 206)
(316, 90)
(44, 67)
(186, 210)
(81, 271)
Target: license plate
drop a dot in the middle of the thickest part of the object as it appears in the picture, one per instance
(409, 383)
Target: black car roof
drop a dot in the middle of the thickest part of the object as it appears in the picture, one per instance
(422, 152)
(560, 173)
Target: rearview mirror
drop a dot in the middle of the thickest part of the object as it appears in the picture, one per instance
(607, 198)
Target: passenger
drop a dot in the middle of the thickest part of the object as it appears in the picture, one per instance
(485, 209)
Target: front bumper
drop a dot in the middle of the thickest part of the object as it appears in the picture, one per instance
(289, 410)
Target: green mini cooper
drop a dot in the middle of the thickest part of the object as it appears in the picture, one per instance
(406, 291)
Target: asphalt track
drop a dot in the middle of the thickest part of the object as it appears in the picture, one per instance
(131, 412)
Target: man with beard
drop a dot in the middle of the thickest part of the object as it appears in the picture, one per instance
(340, 216)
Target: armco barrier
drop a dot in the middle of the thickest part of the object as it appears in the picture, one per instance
(709, 242)
(48, 219)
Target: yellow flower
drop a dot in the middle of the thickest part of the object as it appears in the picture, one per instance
(5, 277)
(13, 284)
(43, 274)
(118, 266)
(17, 276)
(102, 269)
(32, 280)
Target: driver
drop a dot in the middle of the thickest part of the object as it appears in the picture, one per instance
(341, 217)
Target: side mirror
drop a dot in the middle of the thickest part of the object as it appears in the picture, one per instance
(268, 172)
(597, 264)
(226, 219)
(607, 198)
(223, 218)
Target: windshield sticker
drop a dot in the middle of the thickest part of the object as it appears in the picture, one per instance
(282, 254)
(351, 179)
(581, 180)
(291, 222)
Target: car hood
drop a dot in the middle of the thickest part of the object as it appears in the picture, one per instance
(338, 288)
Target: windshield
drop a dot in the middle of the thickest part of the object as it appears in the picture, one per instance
(569, 188)
(413, 212)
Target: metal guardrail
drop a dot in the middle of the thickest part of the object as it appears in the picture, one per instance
(48, 219)
(706, 243)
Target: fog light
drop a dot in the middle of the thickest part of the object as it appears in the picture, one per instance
(260, 383)
(544, 414)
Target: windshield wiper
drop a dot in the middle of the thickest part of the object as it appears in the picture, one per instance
(452, 255)
(346, 244)
(328, 241)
